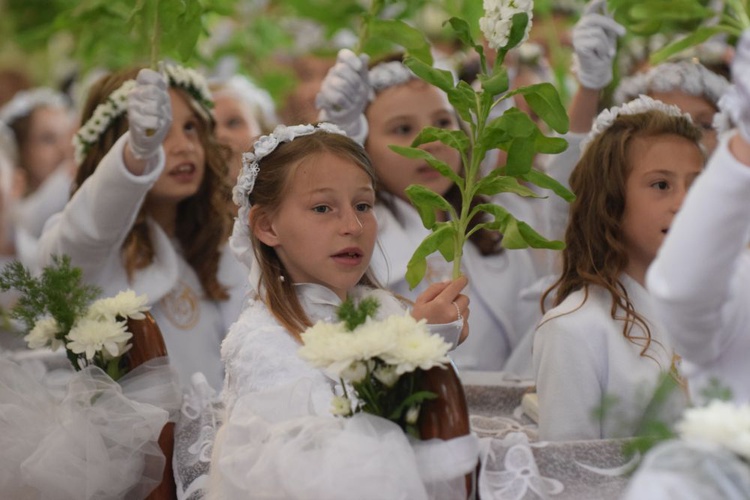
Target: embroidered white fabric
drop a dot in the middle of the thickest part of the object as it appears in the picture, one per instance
(99, 441)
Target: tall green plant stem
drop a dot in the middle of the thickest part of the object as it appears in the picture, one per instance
(155, 35)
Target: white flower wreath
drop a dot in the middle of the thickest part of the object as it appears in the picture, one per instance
(640, 105)
(116, 104)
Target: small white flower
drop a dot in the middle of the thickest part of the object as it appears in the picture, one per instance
(44, 334)
(356, 372)
(498, 20)
(341, 406)
(125, 304)
(412, 414)
(90, 336)
(720, 422)
(387, 375)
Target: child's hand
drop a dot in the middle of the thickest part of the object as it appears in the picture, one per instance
(345, 93)
(149, 114)
(595, 42)
(444, 303)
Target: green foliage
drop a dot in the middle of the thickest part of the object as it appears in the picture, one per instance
(354, 315)
(697, 19)
(716, 390)
(513, 132)
(59, 292)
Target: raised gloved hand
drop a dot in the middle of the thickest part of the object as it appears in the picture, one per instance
(595, 43)
(737, 98)
(149, 114)
(345, 93)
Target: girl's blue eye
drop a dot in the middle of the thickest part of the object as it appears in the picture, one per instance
(402, 130)
(321, 209)
(363, 207)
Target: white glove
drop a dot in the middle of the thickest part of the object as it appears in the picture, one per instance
(149, 114)
(737, 98)
(595, 43)
(345, 93)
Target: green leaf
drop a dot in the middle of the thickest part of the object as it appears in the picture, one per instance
(520, 156)
(545, 181)
(517, 30)
(426, 202)
(463, 32)
(455, 139)
(417, 266)
(440, 78)
(545, 101)
(697, 37)
(354, 315)
(495, 184)
(497, 83)
(402, 34)
(421, 154)
(531, 237)
(463, 98)
(415, 398)
(549, 145)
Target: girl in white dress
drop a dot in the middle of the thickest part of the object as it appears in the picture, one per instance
(41, 125)
(699, 279)
(306, 229)
(601, 343)
(386, 105)
(149, 210)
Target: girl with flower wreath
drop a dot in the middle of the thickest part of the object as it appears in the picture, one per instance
(306, 230)
(37, 129)
(600, 352)
(384, 105)
(149, 212)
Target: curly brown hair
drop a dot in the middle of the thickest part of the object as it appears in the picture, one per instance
(203, 220)
(595, 251)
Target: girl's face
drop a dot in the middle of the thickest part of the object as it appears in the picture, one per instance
(700, 110)
(662, 168)
(236, 127)
(48, 145)
(324, 230)
(395, 117)
(185, 163)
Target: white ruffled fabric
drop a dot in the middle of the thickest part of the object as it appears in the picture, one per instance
(100, 441)
(273, 447)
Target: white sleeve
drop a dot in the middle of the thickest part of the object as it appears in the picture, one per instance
(692, 277)
(566, 358)
(96, 220)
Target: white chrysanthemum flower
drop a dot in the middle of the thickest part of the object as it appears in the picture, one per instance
(386, 375)
(44, 334)
(90, 336)
(416, 347)
(355, 372)
(125, 304)
(498, 20)
(720, 422)
(341, 406)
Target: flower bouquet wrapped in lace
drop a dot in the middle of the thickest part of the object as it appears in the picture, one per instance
(100, 439)
(380, 360)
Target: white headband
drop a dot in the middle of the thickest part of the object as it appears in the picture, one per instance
(240, 242)
(26, 101)
(637, 106)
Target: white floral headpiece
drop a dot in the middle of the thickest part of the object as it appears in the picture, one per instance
(240, 242)
(637, 106)
(388, 74)
(26, 101)
(117, 103)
